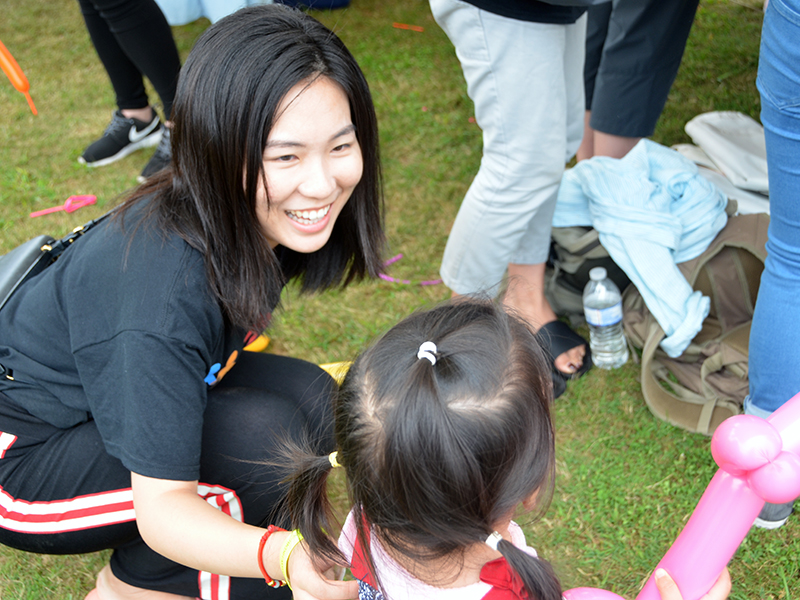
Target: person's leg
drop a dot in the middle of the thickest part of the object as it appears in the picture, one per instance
(63, 494)
(615, 146)
(125, 78)
(262, 402)
(524, 296)
(525, 293)
(69, 496)
(776, 321)
(133, 38)
(596, 30)
(640, 59)
(515, 78)
(529, 105)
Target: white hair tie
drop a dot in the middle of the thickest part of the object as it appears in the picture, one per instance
(427, 350)
(493, 539)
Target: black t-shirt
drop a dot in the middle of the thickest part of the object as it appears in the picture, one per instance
(531, 10)
(122, 328)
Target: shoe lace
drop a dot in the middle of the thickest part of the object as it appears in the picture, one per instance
(118, 122)
(164, 148)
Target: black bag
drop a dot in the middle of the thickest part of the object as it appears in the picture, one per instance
(34, 256)
(574, 251)
(21, 263)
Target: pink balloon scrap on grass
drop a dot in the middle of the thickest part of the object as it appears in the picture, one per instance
(758, 462)
(386, 277)
(72, 204)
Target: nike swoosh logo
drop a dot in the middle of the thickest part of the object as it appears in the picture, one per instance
(137, 136)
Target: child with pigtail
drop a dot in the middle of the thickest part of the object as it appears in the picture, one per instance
(443, 429)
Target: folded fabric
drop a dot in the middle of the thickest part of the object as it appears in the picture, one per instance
(736, 144)
(652, 210)
(747, 202)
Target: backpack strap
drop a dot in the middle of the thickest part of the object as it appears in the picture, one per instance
(679, 405)
(731, 279)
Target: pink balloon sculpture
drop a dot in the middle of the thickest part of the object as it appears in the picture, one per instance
(758, 461)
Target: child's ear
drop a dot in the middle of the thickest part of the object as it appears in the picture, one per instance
(530, 502)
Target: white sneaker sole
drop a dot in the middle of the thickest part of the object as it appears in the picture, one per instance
(761, 524)
(150, 140)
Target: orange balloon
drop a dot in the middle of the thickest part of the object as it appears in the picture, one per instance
(15, 75)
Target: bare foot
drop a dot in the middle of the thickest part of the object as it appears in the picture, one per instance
(525, 296)
(111, 588)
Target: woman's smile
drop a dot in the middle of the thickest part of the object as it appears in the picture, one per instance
(309, 217)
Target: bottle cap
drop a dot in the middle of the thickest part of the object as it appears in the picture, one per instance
(597, 274)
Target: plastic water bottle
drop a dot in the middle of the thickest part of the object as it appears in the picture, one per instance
(602, 305)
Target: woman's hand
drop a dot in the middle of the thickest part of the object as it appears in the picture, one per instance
(669, 590)
(309, 584)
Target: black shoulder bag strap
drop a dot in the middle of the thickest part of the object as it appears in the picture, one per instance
(34, 256)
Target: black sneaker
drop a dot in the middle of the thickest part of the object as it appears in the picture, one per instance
(121, 137)
(773, 516)
(161, 157)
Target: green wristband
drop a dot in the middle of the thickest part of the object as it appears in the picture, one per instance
(295, 537)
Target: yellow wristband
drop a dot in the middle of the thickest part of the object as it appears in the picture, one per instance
(295, 537)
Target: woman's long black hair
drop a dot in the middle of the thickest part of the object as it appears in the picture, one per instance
(437, 454)
(228, 95)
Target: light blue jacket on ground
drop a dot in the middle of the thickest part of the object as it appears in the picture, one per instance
(652, 210)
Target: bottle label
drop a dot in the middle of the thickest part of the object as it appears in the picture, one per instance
(600, 317)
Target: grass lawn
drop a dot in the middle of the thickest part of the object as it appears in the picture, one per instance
(626, 482)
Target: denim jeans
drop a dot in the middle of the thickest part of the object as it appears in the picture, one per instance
(775, 334)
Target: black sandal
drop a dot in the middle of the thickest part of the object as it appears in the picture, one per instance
(556, 337)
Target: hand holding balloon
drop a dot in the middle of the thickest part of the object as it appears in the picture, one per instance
(669, 589)
(15, 75)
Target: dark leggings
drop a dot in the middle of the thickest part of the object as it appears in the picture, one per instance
(262, 400)
(133, 38)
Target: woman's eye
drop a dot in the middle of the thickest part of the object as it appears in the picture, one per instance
(285, 158)
(341, 147)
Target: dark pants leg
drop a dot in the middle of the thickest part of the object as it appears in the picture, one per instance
(596, 32)
(133, 38)
(263, 400)
(641, 54)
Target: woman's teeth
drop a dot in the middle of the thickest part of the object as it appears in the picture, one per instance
(308, 217)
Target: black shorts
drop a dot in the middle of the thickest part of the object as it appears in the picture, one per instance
(633, 51)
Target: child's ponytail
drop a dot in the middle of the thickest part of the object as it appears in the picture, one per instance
(536, 575)
(307, 505)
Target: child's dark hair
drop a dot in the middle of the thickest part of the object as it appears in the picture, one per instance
(437, 454)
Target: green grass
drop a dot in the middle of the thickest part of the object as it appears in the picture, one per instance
(626, 481)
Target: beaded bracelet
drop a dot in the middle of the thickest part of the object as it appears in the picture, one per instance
(295, 537)
(270, 581)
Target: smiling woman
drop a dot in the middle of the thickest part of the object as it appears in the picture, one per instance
(312, 164)
(130, 418)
